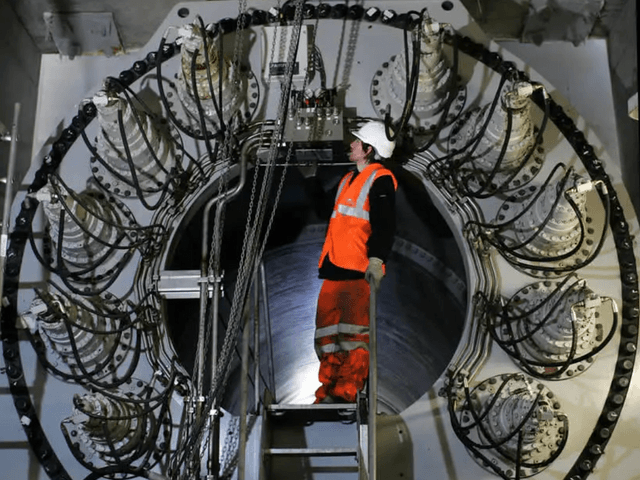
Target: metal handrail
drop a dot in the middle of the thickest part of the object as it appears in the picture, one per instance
(267, 318)
(373, 382)
(8, 194)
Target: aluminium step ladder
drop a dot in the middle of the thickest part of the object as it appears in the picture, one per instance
(315, 442)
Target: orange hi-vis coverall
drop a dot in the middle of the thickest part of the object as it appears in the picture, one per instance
(342, 319)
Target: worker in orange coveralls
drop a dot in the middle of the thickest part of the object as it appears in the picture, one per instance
(358, 241)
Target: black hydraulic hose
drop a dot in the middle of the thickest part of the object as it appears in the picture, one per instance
(129, 372)
(588, 355)
(506, 317)
(564, 364)
(159, 229)
(453, 80)
(579, 265)
(543, 322)
(201, 116)
(488, 408)
(62, 270)
(66, 210)
(511, 249)
(65, 317)
(103, 162)
(503, 150)
(142, 401)
(132, 169)
(409, 100)
(475, 139)
(86, 376)
(205, 46)
(498, 226)
(128, 91)
(538, 140)
(493, 443)
(147, 143)
(165, 100)
(519, 455)
(101, 313)
(461, 433)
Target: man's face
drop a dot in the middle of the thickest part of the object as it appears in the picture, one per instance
(358, 154)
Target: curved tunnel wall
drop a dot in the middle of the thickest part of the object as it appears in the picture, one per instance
(421, 305)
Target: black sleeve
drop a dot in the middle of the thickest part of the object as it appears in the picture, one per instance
(382, 215)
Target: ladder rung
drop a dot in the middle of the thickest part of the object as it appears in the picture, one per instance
(314, 412)
(312, 452)
(276, 408)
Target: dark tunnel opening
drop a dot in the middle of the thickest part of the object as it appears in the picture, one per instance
(421, 307)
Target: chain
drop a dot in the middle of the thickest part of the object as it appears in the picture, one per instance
(249, 254)
(248, 257)
(230, 447)
(351, 51)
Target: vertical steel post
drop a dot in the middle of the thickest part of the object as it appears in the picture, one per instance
(244, 382)
(8, 194)
(214, 443)
(267, 322)
(373, 382)
(256, 340)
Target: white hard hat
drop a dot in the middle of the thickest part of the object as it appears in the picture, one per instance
(374, 134)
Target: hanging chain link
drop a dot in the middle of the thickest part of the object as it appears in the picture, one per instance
(351, 51)
(230, 448)
(250, 254)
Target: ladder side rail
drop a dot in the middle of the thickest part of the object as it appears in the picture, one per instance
(373, 382)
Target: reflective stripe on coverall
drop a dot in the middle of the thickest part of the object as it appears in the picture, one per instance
(342, 320)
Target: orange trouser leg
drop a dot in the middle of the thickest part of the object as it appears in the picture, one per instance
(328, 374)
(342, 338)
(352, 374)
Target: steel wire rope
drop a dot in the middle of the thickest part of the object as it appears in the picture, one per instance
(216, 238)
(351, 49)
(282, 178)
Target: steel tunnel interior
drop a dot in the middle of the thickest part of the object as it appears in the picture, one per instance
(421, 306)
